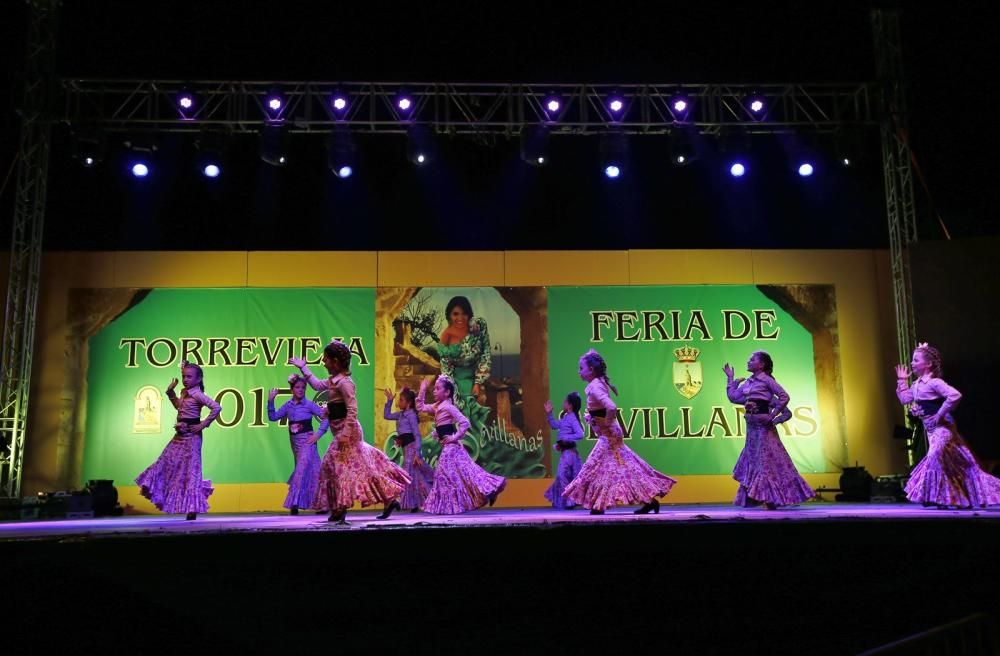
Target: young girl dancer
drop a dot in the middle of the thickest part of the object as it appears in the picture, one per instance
(570, 432)
(300, 412)
(408, 439)
(948, 475)
(764, 470)
(352, 470)
(613, 473)
(459, 483)
(174, 483)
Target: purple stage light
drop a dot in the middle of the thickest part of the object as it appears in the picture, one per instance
(339, 103)
(211, 171)
(616, 105)
(404, 103)
(140, 170)
(737, 170)
(680, 105)
(553, 105)
(274, 103)
(612, 171)
(185, 101)
(805, 169)
(344, 172)
(757, 106)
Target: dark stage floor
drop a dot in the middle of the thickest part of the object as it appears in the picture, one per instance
(822, 578)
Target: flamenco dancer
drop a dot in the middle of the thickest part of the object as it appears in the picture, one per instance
(408, 439)
(174, 483)
(764, 469)
(352, 470)
(460, 484)
(300, 412)
(570, 432)
(948, 476)
(613, 474)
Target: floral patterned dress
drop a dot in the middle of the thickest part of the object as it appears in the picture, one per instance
(949, 474)
(613, 474)
(352, 470)
(764, 469)
(467, 362)
(174, 482)
(421, 475)
(460, 484)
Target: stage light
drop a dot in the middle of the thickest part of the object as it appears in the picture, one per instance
(534, 142)
(682, 151)
(680, 106)
(88, 148)
(211, 170)
(845, 161)
(404, 104)
(339, 103)
(553, 107)
(211, 145)
(756, 105)
(805, 169)
(275, 105)
(140, 170)
(142, 152)
(274, 145)
(616, 107)
(738, 169)
(340, 156)
(420, 147)
(613, 149)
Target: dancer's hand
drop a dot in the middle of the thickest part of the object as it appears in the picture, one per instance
(389, 396)
(273, 393)
(902, 372)
(297, 362)
(588, 419)
(423, 387)
(172, 385)
(548, 407)
(728, 370)
(313, 439)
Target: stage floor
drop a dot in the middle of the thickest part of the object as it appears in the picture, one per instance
(173, 525)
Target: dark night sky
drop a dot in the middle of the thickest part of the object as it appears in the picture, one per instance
(479, 196)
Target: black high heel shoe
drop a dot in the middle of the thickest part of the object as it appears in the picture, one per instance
(596, 512)
(191, 517)
(294, 511)
(493, 498)
(338, 516)
(653, 505)
(393, 505)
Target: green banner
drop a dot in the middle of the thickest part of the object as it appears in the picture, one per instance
(242, 338)
(665, 348)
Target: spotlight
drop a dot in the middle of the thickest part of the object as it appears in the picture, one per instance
(756, 105)
(680, 106)
(89, 148)
(340, 156)
(534, 140)
(613, 149)
(141, 154)
(274, 145)
(211, 144)
(275, 106)
(419, 145)
(185, 104)
(805, 169)
(847, 147)
(682, 151)
(339, 105)
(738, 169)
(404, 106)
(616, 107)
(553, 107)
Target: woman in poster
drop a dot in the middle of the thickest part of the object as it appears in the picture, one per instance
(613, 474)
(352, 470)
(174, 483)
(464, 350)
(949, 474)
(764, 469)
(300, 412)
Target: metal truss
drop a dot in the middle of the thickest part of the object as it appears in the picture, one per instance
(26, 244)
(136, 105)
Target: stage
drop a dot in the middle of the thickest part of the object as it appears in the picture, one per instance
(309, 521)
